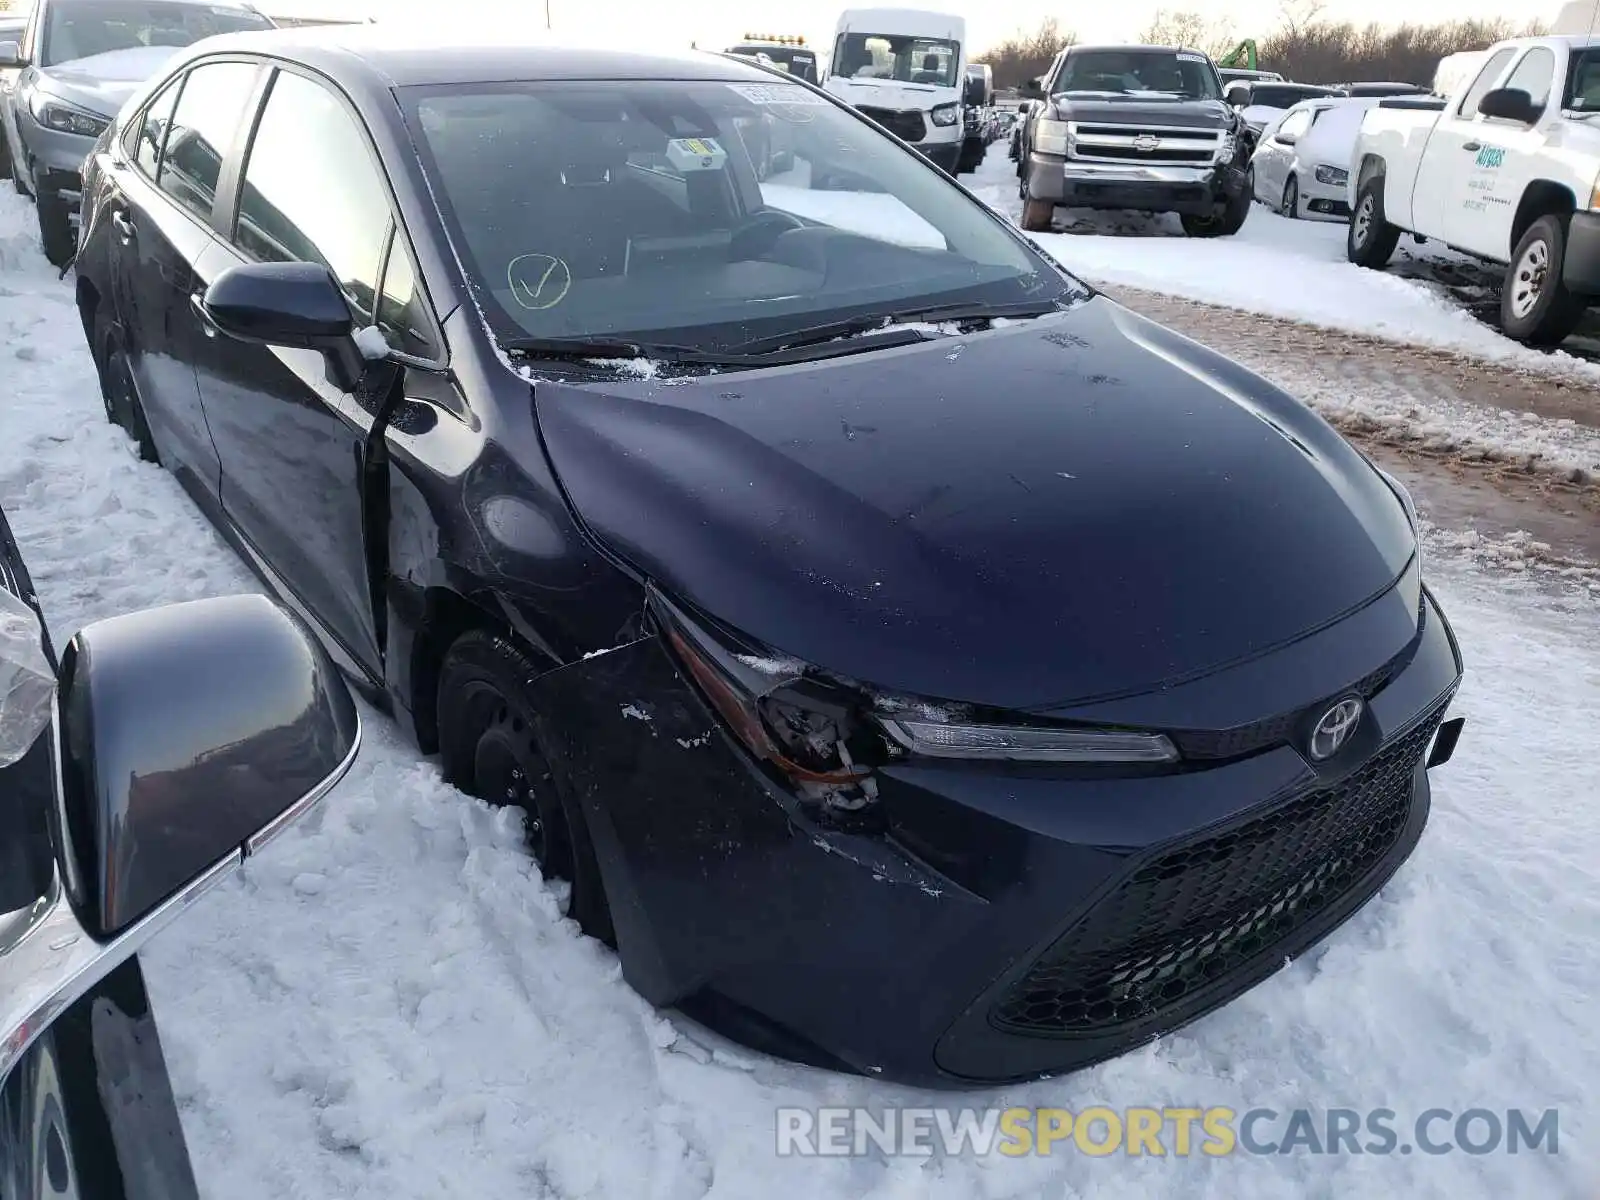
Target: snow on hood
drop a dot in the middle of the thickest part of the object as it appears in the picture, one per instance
(1139, 509)
(1262, 115)
(102, 83)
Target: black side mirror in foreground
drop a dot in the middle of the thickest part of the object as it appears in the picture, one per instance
(186, 738)
(1511, 104)
(294, 304)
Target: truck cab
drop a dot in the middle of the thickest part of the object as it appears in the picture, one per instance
(1505, 170)
(905, 69)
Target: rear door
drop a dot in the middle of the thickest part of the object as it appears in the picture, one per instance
(292, 446)
(1440, 197)
(160, 211)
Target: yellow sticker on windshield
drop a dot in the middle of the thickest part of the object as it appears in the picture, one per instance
(696, 154)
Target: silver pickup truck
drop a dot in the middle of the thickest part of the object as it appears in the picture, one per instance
(75, 64)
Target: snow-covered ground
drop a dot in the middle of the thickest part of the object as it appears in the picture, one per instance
(1275, 266)
(388, 1005)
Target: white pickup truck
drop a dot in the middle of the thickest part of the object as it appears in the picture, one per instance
(1507, 170)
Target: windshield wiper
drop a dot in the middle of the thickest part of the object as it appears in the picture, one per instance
(894, 323)
(582, 349)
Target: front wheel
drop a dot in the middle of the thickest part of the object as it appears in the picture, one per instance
(1291, 200)
(1535, 305)
(489, 743)
(1371, 240)
(121, 395)
(1037, 215)
(1224, 223)
(56, 234)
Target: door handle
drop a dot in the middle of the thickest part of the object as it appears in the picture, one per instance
(123, 226)
(1473, 147)
(197, 305)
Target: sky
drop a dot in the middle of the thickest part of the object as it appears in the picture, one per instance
(718, 23)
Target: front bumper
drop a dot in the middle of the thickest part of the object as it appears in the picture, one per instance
(1191, 190)
(1015, 921)
(941, 154)
(1321, 201)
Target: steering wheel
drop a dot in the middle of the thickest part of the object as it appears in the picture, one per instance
(757, 232)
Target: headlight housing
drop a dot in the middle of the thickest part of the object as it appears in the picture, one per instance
(824, 738)
(66, 118)
(1332, 176)
(1050, 137)
(946, 114)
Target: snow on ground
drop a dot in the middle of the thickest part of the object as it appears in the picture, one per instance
(1283, 268)
(388, 1006)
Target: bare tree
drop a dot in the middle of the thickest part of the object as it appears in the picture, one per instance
(1189, 31)
(1315, 51)
(1024, 55)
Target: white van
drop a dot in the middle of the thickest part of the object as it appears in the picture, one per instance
(904, 68)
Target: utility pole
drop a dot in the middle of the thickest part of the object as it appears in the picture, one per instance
(547, 24)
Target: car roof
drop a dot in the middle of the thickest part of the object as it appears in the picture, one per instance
(408, 55)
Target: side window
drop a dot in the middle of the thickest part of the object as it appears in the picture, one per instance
(310, 191)
(1296, 124)
(146, 135)
(1485, 81)
(401, 315)
(1536, 75)
(201, 132)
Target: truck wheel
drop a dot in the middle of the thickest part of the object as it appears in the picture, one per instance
(1037, 215)
(1535, 306)
(56, 234)
(1291, 200)
(1225, 222)
(1371, 240)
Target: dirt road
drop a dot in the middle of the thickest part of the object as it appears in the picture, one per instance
(1504, 461)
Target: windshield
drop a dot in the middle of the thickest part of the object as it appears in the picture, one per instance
(933, 61)
(1153, 74)
(800, 63)
(1279, 95)
(83, 28)
(701, 214)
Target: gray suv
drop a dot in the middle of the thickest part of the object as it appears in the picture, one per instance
(77, 62)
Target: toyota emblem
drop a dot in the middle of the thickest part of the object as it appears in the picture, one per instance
(1146, 142)
(1333, 730)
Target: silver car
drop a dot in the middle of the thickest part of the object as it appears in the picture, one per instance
(1301, 166)
(76, 63)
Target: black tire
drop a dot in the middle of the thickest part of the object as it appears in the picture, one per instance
(119, 392)
(19, 168)
(1290, 207)
(1250, 182)
(1536, 307)
(1225, 223)
(490, 749)
(1371, 240)
(1037, 215)
(56, 235)
(5, 155)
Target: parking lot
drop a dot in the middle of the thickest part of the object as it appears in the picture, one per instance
(390, 1005)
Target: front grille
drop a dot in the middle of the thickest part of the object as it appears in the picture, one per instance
(1202, 911)
(907, 126)
(1130, 143)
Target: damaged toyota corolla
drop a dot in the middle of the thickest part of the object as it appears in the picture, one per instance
(914, 662)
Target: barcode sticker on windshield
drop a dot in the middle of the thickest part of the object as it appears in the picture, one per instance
(776, 93)
(1189, 56)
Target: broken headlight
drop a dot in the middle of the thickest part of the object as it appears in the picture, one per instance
(827, 736)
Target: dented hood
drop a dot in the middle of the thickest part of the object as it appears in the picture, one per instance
(1080, 506)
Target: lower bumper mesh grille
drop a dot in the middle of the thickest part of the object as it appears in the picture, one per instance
(1201, 911)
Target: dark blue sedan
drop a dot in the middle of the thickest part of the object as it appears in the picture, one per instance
(914, 662)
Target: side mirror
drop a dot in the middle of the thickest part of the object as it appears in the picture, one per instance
(1032, 87)
(190, 736)
(1286, 139)
(10, 56)
(293, 304)
(1510, 104)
